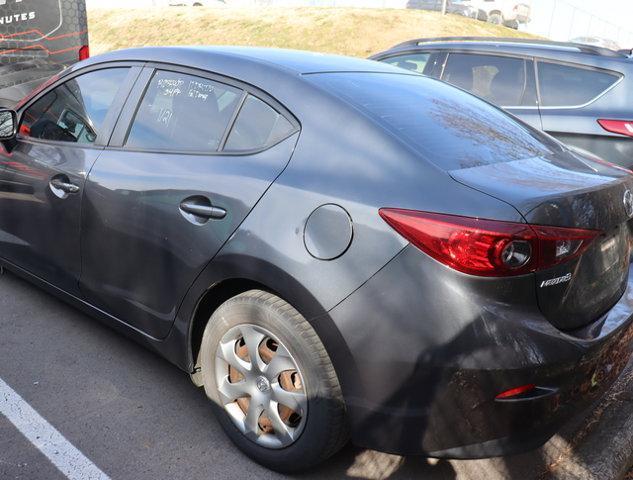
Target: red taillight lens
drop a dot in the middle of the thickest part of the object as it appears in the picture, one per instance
(623, 127)
(84, 52)
(515, 392)
(557, 245)
(488, 248)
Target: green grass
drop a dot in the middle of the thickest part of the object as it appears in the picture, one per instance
(348, 31)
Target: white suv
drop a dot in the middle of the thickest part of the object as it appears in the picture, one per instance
(503, 12)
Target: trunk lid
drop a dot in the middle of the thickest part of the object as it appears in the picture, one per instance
(569, 190)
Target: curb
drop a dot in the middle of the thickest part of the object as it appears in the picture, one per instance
(596, 445)
(602, 447)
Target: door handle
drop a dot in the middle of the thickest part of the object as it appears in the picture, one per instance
(205, 211)
(66, 187)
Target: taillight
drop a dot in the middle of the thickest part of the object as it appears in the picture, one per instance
(557, 245)
(515, 392)
(488, 248)
(84, 53)
(623, 127)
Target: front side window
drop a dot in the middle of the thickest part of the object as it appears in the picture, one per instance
(74, 111)
(500, 80)
(181, 112)
(258, 125)
(567, 86)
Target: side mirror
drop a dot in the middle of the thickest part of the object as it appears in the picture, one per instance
(8, 124)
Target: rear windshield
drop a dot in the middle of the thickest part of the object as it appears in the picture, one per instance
(451, 128)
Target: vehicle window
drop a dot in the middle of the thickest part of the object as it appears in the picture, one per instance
(258, 125)
(74, 111)
(415, 62)
(450, 128)
(566, 86)
(183, 113)
(500, 80)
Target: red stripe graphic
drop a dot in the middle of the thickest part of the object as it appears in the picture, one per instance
(57, 37)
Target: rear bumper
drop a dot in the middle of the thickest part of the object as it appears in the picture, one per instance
(429, 362)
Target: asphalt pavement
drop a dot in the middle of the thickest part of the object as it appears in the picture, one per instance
(135, 416)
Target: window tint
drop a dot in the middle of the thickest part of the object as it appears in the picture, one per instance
(415, 62)
(452, 129)
(183, 113)
(257, 125)
(500, 80)
(74, 111)
(565, 86)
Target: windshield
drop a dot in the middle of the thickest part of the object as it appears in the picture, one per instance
(450, 127)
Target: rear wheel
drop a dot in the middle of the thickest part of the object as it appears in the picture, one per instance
(495, 18)
(512, 24)
(272, 383)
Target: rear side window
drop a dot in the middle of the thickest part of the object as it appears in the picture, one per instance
(258, 125)
(567, 86)
(450, 128)
(182, 112)
(415, 62)
(504, 81)
(74, 111)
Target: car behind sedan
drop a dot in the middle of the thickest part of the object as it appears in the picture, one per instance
(329, 246)
(580, 94)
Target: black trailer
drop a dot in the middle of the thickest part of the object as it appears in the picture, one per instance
(38, 38)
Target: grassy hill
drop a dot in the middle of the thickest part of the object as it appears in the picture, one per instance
(349, 31)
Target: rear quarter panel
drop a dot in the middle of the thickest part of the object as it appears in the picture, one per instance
(341, 158)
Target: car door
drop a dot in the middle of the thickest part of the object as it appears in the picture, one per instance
(181, 173)
(61, 133)
(507, 81)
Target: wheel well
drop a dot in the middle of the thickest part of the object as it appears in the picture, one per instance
(211, 300)
(498, 12)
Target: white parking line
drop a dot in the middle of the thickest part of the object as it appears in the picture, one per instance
(68, 460)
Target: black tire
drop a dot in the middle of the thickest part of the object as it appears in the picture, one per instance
(512, 24)
(495, 18)
(325, 430)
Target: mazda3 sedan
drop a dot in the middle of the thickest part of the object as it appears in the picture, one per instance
(330, 247)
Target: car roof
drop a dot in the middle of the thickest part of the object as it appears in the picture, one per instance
(281, 60)
(522, 46)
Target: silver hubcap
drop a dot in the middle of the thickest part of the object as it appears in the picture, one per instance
(260, 386)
